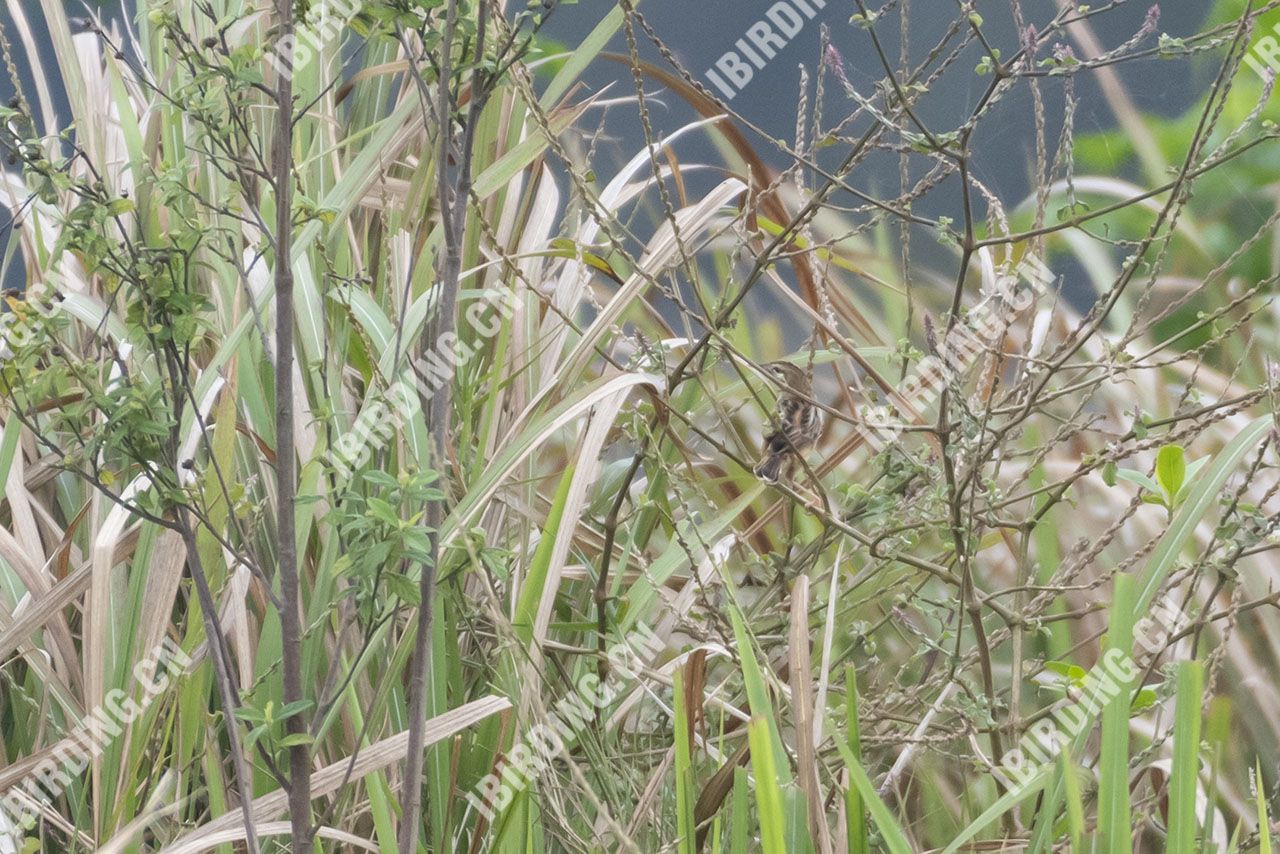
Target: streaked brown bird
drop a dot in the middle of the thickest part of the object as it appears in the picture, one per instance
(798, 421)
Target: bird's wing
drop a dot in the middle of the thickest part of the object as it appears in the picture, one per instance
(798, 423)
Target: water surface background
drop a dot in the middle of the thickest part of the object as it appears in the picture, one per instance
(699, 32)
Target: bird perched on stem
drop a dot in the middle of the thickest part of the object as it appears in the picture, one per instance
(798, 421)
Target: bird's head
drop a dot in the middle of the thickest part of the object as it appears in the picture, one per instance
(788, 375)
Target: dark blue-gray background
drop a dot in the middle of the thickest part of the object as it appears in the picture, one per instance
(1003, 147)
(698, 33)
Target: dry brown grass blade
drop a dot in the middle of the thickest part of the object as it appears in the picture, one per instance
(13, 773)
(716, 790)
(761, 175)
(165, 571)
(695, 683)
(802, 707)
(62, 554)
(38, 614)
(98, 612)
(398, 66)
(37, 583)
(330, 778)
(350, 841)
(22, 524)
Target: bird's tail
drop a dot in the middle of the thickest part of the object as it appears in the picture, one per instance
(770, 467)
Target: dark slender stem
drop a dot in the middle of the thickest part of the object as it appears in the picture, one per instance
(228, 695)
(606, 557)
(454, 189)
(286, 462)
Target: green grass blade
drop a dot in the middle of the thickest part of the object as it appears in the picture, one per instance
(1186, 758)
(1006, 802)
(1113, 759)
(531, 590)
(890, 832)
(1264, 822)
(581, 56)
(855, 812)
(1075, 803)
(769, 797)
(766, 745)
(684, 767)
(740, 823)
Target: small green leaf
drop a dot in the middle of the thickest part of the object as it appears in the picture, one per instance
(1171, 470)
(1145, 699)
(402, 587)
(383, 511)
(1138, 478)
(291, 709)
(1074, 672)
(248, 713)
(256, 733)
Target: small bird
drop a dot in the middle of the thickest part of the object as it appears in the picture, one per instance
(799, 421)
